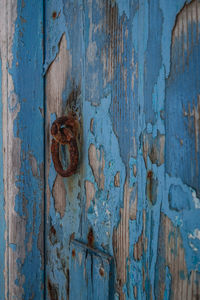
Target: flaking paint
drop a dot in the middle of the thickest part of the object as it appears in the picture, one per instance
(25, 212)
(128, 80)
(130, 121)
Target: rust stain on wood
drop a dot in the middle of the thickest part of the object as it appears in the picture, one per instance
(151, 187)
(73, 253)
(101, 271)
(52, 235)
(61, 66)
(54, 15)
(90, 238)
(53, 290)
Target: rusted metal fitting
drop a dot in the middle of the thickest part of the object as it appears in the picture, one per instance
(63, 131)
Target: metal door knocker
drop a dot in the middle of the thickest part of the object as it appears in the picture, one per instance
(63, 131)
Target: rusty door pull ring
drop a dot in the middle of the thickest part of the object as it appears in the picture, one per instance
(63, 132)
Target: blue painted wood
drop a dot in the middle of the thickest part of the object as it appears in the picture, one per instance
(136, 95)
(90, 273)
(130, 71)
(21, 151)
(26, 71)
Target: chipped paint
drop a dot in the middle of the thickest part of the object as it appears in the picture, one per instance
(154, 148)
(90, 193)
(117, 179)
(33, 163)
(97, 164)
(21, 53)
(132, 184)
(135, 195)
(121, 236)
(195, 199)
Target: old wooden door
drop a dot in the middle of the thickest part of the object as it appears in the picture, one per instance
(126, 225)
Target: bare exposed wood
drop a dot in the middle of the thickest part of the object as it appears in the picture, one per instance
(11, 156)
(172, 251)
(121, 242)
(97, 163)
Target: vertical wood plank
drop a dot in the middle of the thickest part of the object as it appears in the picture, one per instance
(127, 69)
(2, 210)
(21, 39)
(64, 29)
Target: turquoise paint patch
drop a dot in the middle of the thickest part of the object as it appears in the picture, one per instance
(168, 279)
(13, 246)
(182, 275)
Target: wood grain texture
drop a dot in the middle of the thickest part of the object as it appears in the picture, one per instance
(93, 271)
(22, 99)
(62, 215)
(172, 280)
(130, 70)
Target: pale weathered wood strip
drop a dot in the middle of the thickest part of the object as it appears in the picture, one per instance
(24, 220)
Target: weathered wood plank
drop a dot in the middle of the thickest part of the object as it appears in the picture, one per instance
(63, 87)
(21, 52)
(2, 211)
(129, 70)
(91, 271)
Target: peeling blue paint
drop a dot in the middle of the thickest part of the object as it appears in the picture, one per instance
(107, 208)
(126, 102)
(27, 77)
(56, 28)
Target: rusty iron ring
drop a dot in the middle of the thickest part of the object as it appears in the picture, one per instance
(63, 133)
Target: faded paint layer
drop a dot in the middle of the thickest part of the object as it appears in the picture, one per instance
(132, 78)
(130, 72)
(21, 50)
